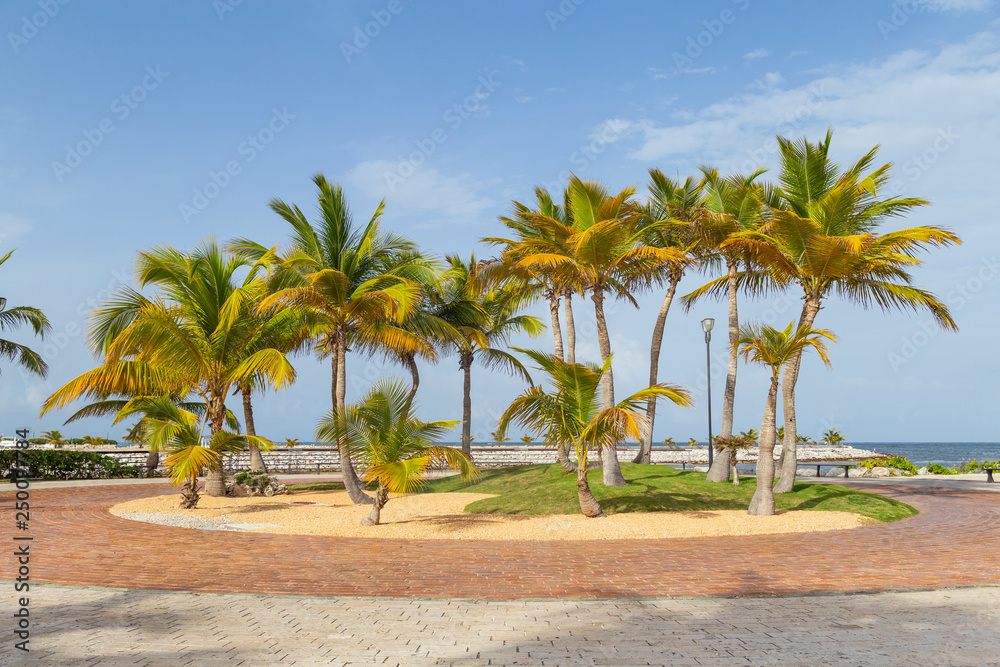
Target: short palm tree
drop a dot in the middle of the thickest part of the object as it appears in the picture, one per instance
(168, 428)
(833, 437)
(52, 437)
(390, 445)
(499, 438)
(571, 412)
(732, 445)
(291, 442)
(13, 318)
(770, 347)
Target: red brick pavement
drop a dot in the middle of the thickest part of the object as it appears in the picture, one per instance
(952, 542)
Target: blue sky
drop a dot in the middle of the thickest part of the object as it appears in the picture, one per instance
(125, 125)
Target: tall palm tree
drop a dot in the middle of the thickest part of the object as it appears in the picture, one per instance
(772, 348)
(197, 335)
(487, 319)
(348, 282)
(14, 318)
(823, 239)
(572, 412)
(732, 204)
(392, 447)
(667, 225)
(601, 255)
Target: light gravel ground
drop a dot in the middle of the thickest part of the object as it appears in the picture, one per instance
(440, 516)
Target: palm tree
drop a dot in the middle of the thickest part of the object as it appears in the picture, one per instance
(601, 255)
(52, 437)
(178, 432)
(669, 442)
(92, 441)
(291, 442)
(833, 437)
(733, 204)
(732, 445)
(14, 318)
(198, 335)
(666, 223)
(772, 348)
(571, 412)
(821, 237)
(492, 323)
(527, 439)
(350, 283)
(499, 438)
(392, 447)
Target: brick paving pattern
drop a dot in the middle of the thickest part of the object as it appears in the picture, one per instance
(953, 542)
(87, 627)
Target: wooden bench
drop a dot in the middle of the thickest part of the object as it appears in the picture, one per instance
(840, 464)
(989, 475)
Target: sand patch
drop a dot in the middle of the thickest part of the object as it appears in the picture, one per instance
(439, 516)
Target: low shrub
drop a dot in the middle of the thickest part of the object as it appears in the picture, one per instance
(898, 462)
(977, 466)
(53, 464)
(938, 469)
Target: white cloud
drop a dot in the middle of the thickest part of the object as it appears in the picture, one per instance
(427, 195)
(756, 54)
(903, 101)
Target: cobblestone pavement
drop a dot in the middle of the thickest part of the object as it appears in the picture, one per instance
(84, 626)
(952, 542)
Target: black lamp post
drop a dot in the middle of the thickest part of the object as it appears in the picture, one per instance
(706, 326)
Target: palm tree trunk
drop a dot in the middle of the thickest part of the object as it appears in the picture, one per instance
(588, 503)
(720, 466)
(789, 454)
(762, 503)
(736, 473)
(646, 443)
(411, 363)
(152, 463)
(609, 455)
(256, 460)
(215, 480)
(355, 489)
(570, 327)
(553, 298)
(381, 498)
(563, 457)
(465, 362)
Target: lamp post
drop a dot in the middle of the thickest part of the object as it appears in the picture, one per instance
(3, 302)
(706, 326)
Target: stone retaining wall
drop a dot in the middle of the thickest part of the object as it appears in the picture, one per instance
(308, 458)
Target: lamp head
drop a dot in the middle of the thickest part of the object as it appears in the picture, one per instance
(3, 303)
(707, 324)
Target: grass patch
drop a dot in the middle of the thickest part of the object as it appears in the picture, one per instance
(317, 486)
(547, 489)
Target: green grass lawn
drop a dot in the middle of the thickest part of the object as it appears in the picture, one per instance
(547, 489)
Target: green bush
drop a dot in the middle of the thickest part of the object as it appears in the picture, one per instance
(977, 466)
(255, 479)
(898, 462)
(53, 464)
(938, 469)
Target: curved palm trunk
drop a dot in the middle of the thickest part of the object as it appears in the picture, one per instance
(152, 463)
(609, 455)
(570, 327)
(553, 298)
(588, 503)
(411, 364)
(720, 466)
(646, 443)
(465, 363)
(215, 480)
(256, 460)
(381, 498)
(762, 502)
(789, 446)
(355, 489)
